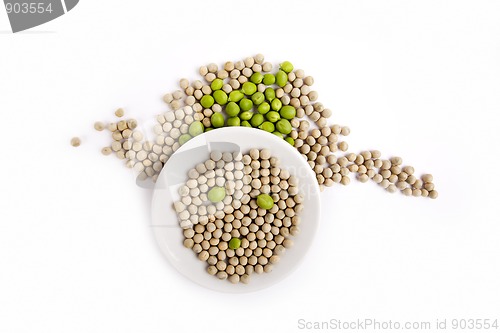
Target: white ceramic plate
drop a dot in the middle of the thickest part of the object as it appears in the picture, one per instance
(164, 219)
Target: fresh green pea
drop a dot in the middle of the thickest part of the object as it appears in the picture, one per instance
(196, 128)
(264, 108)
(281, 78)
(246, 104)
(256, 77)
(246, 115)
(220, 97)
(286, 66)
(267, 126)
(258, 98)
(234, 243)
(270, 94)
(184, 138)
(278, 134)
(269, 79)
(208, 129)
(265, 201)
(288, 112)
(249, 88)
(257, 119)
(235, 96)
(216, 84)
(217, 120)
(233, 121)
(276, 104)
(232, 109)
(207, 101)
(284, 126)
(216, 194)
(290, 141)
(245, 123)
(273, 116)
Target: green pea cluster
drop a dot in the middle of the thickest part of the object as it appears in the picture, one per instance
(251, 108)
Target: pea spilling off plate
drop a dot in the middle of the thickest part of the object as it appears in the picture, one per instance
(279, 100)
(239, 213)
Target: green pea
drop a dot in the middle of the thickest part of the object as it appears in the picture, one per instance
(234, 243)
(257, 119)
(196, 128)
(269, 79)
(276, 104)
(207, 101)
(235, 96)
(281, 78)
(216, 194)
(267, 126)
(290, 141)
(245, 123)
(208, 129)
(246, 104)
(273, 116)
(246, 115)
(217, 120)
(284, 126)
(220, 97)
(184, 138)
(249, 88)
(278, 134)
(256, 78)
(264, 108)
(258, 98)
(288, 112)
(265, 201)
(286, 66)
(216, 84)
(233, 121)
(232, 109)
(270, 94)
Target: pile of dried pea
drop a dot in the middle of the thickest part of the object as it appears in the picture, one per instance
(238, 212)
(282, 102)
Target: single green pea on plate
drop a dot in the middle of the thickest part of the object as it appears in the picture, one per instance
(166, 227)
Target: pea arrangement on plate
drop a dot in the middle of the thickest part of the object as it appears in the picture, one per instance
(238, 212)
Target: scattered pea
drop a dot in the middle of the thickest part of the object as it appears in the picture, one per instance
(249, 88)
(269, 79)
(286, 66)
(288, 112)
(207, 101)
(75, 142)
(273, 116)
(234, 243)
(258, 98)
(246, 104)
(257, 120)
(265, 201)
(281, 78)
(264, 108)
(216, 84)
(246, 115)
(235, 96)
(216, 194)
(256, 78)
(184, 138)
(233, 121)
(267, 126)
(196, 128)
(270, 94)
(284, 126)
(232, 109)
(220, 97)
(217, 120)
(245, 123)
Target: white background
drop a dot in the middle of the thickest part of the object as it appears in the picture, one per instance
(418, 79)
